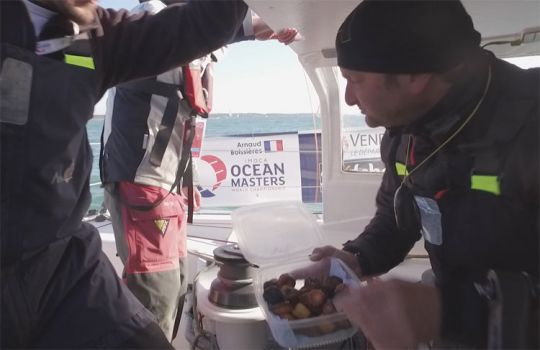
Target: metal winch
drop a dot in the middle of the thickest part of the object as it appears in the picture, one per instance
(233, 287)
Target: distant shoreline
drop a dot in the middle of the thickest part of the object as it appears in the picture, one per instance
(102, 116)
(251, 115)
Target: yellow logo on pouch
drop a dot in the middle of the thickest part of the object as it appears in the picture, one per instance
(162, 225)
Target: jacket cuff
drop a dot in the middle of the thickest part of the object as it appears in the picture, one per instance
(247, 25)
(353, 248)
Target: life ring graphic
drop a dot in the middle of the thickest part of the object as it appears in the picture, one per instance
(220, 172)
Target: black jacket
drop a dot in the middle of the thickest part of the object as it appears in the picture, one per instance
(481, 230)
(54, 139)
(58, 289)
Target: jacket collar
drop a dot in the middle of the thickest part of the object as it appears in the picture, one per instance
(39, 15)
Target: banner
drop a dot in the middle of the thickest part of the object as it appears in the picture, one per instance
(240, 170)
(361, 150)
(311, 166)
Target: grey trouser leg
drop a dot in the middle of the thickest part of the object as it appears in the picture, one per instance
(161, 292)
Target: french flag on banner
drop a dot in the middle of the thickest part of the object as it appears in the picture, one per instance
(273, 146)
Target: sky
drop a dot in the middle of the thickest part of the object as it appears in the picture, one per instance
(253, 76)
(263, 77)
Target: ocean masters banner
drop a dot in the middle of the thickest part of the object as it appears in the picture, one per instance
(240, 170)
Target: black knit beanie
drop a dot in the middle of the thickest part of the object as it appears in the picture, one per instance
(406, 36)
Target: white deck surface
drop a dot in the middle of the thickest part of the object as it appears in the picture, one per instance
(219, 231)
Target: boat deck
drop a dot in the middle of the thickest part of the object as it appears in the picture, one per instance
(204, 238)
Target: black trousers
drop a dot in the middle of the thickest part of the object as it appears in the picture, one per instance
(67, 296)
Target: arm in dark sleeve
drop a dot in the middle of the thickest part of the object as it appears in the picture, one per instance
(246, 31)
(382, 246)
(130, 47)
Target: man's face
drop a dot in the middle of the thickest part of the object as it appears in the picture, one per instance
(82, 12)
(385, 100)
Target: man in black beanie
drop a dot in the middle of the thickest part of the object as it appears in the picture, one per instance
(461, 153)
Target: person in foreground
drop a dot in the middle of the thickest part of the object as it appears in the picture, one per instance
(461, 152)
(145, 143)
(58, 289)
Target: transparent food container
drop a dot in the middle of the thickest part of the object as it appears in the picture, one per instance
(278, 237)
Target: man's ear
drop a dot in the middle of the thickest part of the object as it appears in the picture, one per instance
(418, 83)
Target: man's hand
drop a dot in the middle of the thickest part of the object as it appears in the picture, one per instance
(285, 36)
(321, 258)
(263, 32)
(328, 251)
(393, 314)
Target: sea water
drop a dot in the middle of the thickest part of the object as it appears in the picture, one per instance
(219, 125)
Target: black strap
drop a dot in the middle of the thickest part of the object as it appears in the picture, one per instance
(165, 129)
(163, 136)
(189, 183)
(101, 153)
(180, 172)
(175, 104)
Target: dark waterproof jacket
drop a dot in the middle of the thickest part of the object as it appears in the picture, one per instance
(485, 183)
(58, 289)
(35, 159)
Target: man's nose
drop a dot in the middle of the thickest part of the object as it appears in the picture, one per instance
(350, 98)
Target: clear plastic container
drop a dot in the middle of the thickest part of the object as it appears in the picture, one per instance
(278, 237)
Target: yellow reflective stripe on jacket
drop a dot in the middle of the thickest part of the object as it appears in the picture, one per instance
(401, 169)
(487, 183)
(81, 61)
